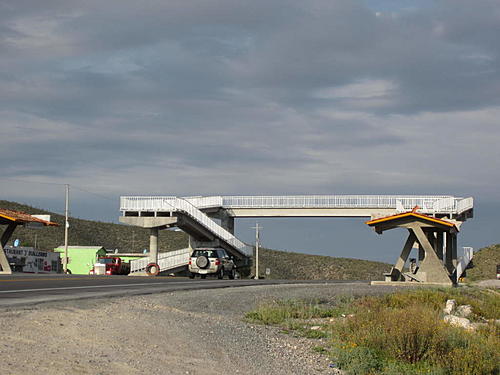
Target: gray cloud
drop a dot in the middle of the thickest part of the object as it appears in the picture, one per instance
(261, 96)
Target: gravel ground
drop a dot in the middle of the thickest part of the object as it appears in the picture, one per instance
(488, 284)
(188, 332)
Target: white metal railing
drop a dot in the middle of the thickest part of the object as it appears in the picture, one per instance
(205, 202)
(448, 204)
(427, 204)
(430, 204)
(166, 261)
(465, 205)
(145, 203)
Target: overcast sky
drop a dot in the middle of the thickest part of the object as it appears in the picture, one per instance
(252, 97)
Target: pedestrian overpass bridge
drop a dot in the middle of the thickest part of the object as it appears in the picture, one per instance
(209, 220)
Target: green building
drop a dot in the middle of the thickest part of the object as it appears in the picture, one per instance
(82, 258)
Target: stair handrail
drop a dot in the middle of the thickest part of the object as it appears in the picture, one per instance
(187, 207)
(140, 264)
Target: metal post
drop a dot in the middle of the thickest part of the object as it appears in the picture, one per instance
(66, 226)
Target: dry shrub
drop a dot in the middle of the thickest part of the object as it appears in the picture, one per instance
(410, 335)
(416, 335)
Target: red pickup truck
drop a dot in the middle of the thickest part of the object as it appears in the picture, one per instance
(107, 265)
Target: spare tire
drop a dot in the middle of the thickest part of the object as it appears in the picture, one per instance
(202, 261)
(152, 269)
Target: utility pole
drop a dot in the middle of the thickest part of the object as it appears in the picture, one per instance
(66, 226)
(257, 245)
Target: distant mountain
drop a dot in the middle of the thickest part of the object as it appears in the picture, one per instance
(282, 264)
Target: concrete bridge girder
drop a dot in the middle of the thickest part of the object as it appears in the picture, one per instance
(307, 212)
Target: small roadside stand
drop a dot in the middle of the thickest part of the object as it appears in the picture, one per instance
(12, 219)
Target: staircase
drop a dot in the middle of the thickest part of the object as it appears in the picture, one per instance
(185, 207)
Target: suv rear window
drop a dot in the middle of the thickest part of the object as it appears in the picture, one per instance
(207, 253)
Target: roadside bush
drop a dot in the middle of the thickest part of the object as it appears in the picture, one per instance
(401, 333)
(409, 335)
(399, 368)
(485, 303)
(407, 330)
(472, 353)
(279, 312)
(358, 360)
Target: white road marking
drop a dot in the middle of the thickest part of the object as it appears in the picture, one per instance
(89, 287)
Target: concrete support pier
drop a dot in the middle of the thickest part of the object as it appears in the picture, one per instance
(153, 245)
(155, 224)
(227, 222)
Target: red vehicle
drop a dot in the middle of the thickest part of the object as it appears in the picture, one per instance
(107, 265)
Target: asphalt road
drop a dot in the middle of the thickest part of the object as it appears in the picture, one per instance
(25, 289)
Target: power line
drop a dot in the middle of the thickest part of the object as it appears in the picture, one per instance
(60, 184)
(31, 182)
(93, 193)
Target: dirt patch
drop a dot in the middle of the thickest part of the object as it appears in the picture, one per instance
(188, 332)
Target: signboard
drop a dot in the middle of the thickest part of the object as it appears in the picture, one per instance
(268, 271)
(27, 259)
(35, 225)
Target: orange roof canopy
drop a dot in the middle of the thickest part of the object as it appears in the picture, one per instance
(388, 219)
(11, 216)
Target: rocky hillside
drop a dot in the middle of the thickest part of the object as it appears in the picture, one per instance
(287, 265)
(484, 264)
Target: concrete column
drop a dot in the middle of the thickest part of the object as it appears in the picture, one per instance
(432, 238)
(449, 252)
(421, 253)
(153, 245)
(227, 222)
(454, 255)
(439, 244)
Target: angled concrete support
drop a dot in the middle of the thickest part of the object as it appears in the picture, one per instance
(396, 271)
(431, 270)
(4, 262)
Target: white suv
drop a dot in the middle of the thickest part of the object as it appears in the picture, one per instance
(211, 261)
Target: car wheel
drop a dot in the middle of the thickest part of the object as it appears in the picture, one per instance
(220, 276)
(232, 275)
(203, 276)
(191, 275)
